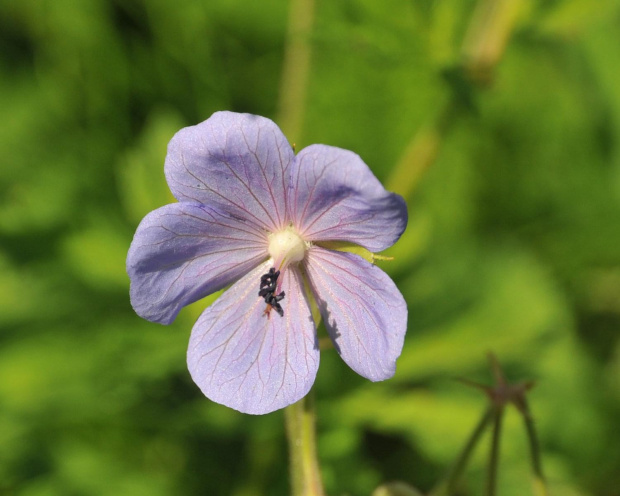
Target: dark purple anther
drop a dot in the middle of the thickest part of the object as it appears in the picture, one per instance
(268, 286)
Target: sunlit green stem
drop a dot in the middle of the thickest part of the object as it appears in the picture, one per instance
(488, 33)
(296, 67)
(498, 415)
(420, 153)
(448, 485)
(301, 432)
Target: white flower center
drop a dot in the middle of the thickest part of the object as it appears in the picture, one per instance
(286, 247)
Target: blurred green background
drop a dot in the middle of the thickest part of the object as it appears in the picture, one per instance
(513, 244)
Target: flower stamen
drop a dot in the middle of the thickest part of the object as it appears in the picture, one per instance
(268, 288)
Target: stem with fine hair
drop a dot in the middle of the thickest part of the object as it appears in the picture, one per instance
(296, 67)
(301, 433)
(540, 486)
(300, 417)
(498, 414)
(448, 485)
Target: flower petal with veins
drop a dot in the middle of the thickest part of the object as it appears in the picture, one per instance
(254, 215)
(365, 314)
(335, 197)
(253, 362)
(236, 161)
(185, 251)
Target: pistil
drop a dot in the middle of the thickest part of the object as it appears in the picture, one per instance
(285, 247)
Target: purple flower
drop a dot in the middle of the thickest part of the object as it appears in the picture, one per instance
(253, 214)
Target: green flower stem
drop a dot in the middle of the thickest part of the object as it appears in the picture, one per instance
(498, 415)
(448, 485)
(296, 67)
(301, 432)
(540, 486)
(420, 154)
(487, 36)
(488, 33)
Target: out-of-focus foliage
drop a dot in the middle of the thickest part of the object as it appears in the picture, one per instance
(513, 244)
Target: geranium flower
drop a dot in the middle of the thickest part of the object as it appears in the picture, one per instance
(253, 214)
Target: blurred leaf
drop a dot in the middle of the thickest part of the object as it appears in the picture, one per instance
(97, 255)
(142, 183)
(518, 308)
(570, 17)
(396, 489)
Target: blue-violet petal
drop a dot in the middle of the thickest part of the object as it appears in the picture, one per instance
(253, 362)
(185, 251)
(335, 196)
(236, 161)
(363, 310)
